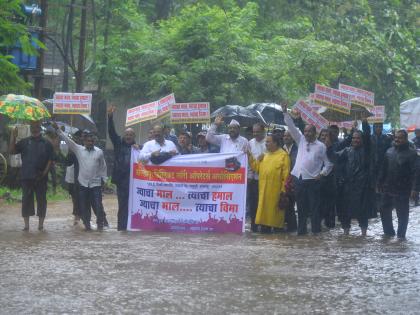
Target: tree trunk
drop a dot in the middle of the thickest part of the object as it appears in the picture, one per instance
(39, 74)
(162, 9)
(69, 34)
(106, 37)
(82, 46)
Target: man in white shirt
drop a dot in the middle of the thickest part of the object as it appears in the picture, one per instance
(159, 148)
(92, 172)
(311, 163)
(257, 148)
(229, 143)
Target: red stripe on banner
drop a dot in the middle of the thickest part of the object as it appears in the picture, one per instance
(181, 174)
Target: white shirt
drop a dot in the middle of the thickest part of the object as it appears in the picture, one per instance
(257, 148)
(92, 165)
(69, 174)
(227, 145)
(151, 146)
(311, 159)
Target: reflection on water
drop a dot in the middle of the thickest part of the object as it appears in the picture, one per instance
(66, 270)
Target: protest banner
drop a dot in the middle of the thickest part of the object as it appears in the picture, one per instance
(189, 193)
(358, 96)
(72, 103)
(164, 105)
(310, 116)
(331, 98)
(190, 113)
(141, 113)
(378, 115)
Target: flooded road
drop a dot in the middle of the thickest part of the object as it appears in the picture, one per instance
(66, 270)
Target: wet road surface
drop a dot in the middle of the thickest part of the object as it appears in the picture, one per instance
(67, 270)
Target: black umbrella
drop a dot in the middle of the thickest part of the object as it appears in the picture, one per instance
(81, 122)
(245, 116)
(271, 112)
(63, 126)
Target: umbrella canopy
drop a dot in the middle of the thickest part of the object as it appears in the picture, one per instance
(63, 126)
(271, 112)
(81, 122)
(356, 113)
(22, 107)
(245, 116)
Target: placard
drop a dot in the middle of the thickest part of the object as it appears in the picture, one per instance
(164, 105)
(72, 103)
(331, 98)
(358, 96)
(141, 113)
(188, 113)
(189, 193)
(378, 115)
(310, 116)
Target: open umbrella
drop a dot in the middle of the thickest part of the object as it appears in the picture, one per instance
(81, 122)
(245, 116)
(22, 107)
(67, 129)
(271, 112)
(357, 113)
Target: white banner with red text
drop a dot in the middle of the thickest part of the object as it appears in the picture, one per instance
(189, 194)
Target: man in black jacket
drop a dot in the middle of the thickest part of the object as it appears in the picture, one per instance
(121, 170)
(397, 182)
(380, 143)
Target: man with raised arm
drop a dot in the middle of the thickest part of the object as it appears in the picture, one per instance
(92, 173)
(37, 155)
(229, 143)
(121, 169)
(311, 163)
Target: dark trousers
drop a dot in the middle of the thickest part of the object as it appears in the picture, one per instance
(253, 202)
(74, 193)
(122, 194)
(31, 188)
(308, 202)
(346, 221)
(91, 197)
(290, 216)
(53, 173)
(327, 206)
(401, 205)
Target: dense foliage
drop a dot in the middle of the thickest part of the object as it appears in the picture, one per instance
(240, 52)
(12, 32)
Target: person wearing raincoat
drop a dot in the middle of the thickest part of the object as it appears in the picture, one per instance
(355, 163)
(273, 169)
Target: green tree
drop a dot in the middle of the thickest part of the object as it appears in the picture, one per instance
(12, 30)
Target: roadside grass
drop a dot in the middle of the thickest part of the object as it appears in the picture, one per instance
(10, 196)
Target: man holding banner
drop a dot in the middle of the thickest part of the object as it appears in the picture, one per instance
(158, 150)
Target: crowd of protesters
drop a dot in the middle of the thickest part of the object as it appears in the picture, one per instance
(320, 177)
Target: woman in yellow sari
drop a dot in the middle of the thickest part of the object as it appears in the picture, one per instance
(273, 170)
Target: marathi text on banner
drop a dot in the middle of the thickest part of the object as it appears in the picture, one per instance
(378, 115)
(72, 103)
(164, 105)
(331, 98)
(182, 113)
(141, 113)
(310, 116)
(189, 193)
(358, 96)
